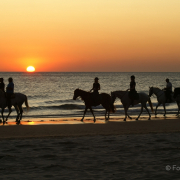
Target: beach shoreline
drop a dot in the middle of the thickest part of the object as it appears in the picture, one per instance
(73, 127)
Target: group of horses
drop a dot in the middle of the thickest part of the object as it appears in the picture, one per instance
(107, 101)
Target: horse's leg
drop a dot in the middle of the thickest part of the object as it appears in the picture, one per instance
(107, 108)
(17, 111)
(164, 109)
(147, 111)
(107, 112)
(92, 114)
(129, 116)
(8, 115)
(84, 113)
(105, 115)
(140, 112)
(125, 110)
(21, 111)
(178, 104)
(2, 111)
(178, 107)
(108, 115)
(156, 108)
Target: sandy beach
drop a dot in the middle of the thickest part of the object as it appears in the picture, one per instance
(61, 149)
(56, 127)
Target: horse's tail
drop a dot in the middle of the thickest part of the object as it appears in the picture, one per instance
(150, 104)
(26, 103)
(112, 108)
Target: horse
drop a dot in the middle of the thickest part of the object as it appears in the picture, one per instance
(161, 98)
(105, 101)
(17, 102)
(126, 101)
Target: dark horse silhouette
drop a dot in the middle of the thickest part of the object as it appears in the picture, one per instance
(105, 101)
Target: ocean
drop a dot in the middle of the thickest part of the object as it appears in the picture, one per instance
(50, 94)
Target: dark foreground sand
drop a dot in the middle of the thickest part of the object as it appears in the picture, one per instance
(115, 150)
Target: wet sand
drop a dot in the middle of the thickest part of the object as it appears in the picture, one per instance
(61, 149)
(74, 127)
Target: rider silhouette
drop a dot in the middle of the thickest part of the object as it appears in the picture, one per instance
(2, 85)
(168, 90)
(132, 89)
(9, 92)
(96, 88)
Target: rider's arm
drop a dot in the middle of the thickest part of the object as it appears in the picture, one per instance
(92, 88)
(132, 87)
(99, 87)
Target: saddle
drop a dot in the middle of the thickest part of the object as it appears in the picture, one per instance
(12, 96)
(133, 95)
(96, 98)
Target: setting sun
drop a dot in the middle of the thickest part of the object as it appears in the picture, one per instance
(30, 69)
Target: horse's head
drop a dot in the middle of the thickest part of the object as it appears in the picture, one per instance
(113, 97)
(76, 94)
(150, 91)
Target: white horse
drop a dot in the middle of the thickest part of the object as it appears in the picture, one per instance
(161, 98)
(17, 102)
(126, 101)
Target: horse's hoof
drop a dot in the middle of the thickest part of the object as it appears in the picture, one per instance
(81, 120)
(136, 119)
(130, 117)
(149, 119)
(124, 119)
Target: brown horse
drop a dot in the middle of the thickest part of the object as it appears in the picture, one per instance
(105, 101)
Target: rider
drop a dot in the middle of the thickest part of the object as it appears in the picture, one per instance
(96, 88)
(2, 85)
(9, 92)
(168, 90)
(132, 89)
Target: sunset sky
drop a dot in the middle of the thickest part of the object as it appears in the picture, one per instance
(95, 35)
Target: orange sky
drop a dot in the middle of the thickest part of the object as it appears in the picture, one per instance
(96, 35)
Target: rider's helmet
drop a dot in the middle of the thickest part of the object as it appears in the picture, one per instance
(132, 77)
(10, 79)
